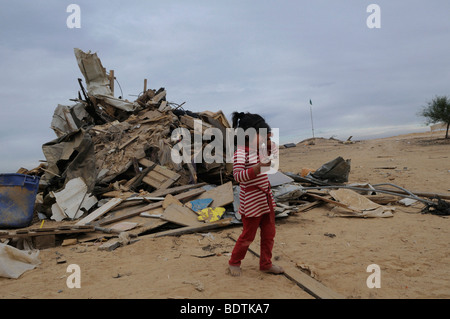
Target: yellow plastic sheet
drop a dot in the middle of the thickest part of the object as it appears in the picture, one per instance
(211, 214)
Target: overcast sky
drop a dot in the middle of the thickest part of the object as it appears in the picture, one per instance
(267, 57)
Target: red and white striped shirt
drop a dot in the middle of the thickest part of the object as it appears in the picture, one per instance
(255, 197)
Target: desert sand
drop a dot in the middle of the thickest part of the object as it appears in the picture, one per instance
(411, 248)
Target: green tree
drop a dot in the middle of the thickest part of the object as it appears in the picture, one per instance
(436, 111)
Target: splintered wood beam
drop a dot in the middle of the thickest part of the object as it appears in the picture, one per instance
(159, 177)
(330, 201)
(131, 140)
(100, 211)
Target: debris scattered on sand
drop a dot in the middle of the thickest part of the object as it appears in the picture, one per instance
(109, 176)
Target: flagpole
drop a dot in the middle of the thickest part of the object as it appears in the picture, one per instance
(312, 125)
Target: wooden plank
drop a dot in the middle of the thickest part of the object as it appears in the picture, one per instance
(417, 193)
(44, 242)
(157, 119)
(57, 231)
(335, 203)
(146, 162)
(189, 122)
(181, 197)
(163, 106)
(382, 199)
(198, 204)
(307, 283)
(126, 187)
(134, 212)
(100, 211)
(111, 81)
(166, 172)
(189, 194)
(192, 172)
(136, 181)
(308, 207)
(110, 245)
(153, 181)
(193, 229)
(128, 142)
(159, 177)
(173, 190)
(180, 215)
(222, 195)
(123, 226)
(144, 224)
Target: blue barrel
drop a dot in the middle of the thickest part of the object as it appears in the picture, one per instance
(17, 199)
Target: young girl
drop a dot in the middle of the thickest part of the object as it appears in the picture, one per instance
(255, 197)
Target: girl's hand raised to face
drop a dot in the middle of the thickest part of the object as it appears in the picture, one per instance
(257, 168)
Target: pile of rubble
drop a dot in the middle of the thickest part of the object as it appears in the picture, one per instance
(111, 153)
(117, 147)
(110, 173)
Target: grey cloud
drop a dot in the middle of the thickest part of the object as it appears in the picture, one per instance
(267, 57)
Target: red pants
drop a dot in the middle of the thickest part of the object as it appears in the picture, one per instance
(267, 224)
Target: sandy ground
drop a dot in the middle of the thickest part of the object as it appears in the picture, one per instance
(411, 248)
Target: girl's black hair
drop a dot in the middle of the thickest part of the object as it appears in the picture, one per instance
(249, 120)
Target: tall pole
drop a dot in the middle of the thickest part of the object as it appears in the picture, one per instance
(312, 124)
